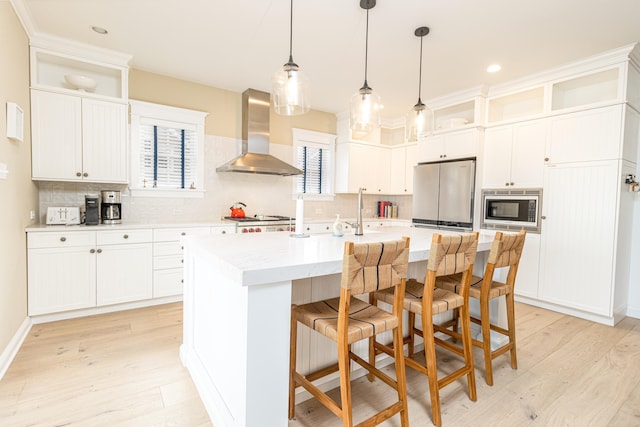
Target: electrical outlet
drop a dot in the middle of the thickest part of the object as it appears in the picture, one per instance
(32, 214)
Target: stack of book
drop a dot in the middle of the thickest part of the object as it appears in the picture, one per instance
(387, 209)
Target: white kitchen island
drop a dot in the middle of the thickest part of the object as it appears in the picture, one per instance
(237, 301)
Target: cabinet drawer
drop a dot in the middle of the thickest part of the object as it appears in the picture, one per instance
(167, 261)
(167, 248)
(167, 282)
(60, 239)
(113, 237)
(168, 234)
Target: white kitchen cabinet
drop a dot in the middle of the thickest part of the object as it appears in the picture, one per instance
(124, 266)
(514, 155)
(78, 139)
(69, 270)
(362, 165)
(449, 146)
(578, 235)
(403, 159)
(168, 271)
(61, 272)
(124, 273)
(584, 136)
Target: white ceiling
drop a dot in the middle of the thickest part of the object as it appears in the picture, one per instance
(240, 43)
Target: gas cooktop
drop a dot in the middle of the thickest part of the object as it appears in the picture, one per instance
(259, 218)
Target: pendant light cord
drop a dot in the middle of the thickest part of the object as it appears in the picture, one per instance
(420, 76)
(366, 49)
(291, 33)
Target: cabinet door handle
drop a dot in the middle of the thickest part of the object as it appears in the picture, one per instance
(85, 174)
(183, 234)
(126, 236)
(63, 239)
(543, 217)
(92, 251)
(78, 174)
(99, 251)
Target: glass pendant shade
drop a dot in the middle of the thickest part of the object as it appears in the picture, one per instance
(419, 122)
(365, 105)
(290, 86)
(364, 111)
(290, 95)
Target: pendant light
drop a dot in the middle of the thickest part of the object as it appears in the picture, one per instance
(365, 105)
(290, 85)
(420, 117)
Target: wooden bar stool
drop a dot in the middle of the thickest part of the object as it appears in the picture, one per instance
(506, 251)
(449, 254)
(366, 268)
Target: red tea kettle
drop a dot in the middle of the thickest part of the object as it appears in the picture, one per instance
(237, 211)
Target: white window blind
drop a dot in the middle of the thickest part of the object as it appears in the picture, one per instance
(167, 151)
(168, 157)
(314, 155)
(314, 162)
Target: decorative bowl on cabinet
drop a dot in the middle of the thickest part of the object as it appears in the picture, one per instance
(82, 83)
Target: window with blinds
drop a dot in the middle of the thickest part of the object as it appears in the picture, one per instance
(314, 153)
(314, 163)
(168, 157)
(167, 151)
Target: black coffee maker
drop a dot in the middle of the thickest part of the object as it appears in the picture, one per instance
(111, 210)
(92, 210)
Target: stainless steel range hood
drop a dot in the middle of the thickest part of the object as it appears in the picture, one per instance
(255, 157)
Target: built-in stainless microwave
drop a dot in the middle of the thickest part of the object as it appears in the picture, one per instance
(512, 209)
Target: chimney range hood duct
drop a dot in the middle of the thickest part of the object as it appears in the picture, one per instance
(255, 157)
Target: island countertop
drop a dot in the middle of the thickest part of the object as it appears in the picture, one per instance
(253, 259)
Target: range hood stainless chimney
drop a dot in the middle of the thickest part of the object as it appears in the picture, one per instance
(255, 157)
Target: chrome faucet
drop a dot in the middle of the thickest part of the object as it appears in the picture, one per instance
(358, 225)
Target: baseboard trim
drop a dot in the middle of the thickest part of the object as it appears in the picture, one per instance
(9, 353)
(64, 315)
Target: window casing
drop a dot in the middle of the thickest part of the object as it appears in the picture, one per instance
(314, 153)
(167, 151)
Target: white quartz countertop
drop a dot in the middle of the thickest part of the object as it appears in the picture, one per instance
(125, 226)
(260, 258)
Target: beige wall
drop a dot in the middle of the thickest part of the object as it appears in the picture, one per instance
(18, 194)
(224, 107)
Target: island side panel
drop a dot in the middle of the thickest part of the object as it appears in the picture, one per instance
(236, 342)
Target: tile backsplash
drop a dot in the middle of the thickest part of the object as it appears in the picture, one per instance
(263, 194)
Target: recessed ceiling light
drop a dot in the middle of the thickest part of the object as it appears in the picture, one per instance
(99, 30)
(494, 68)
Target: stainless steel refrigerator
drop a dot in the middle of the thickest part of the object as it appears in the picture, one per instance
(443, 194)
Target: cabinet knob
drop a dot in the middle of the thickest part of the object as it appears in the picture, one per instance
(126, 236)
(224, 231)
(183, 233)
(543, 217)
(85, 174)
(512, 184)
(92, 251)
(78, 174)
(182, 261)
(506, 184)
(99, 251)
(546, 159)
(63, 239)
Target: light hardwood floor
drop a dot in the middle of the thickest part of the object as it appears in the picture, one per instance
(123, 369)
